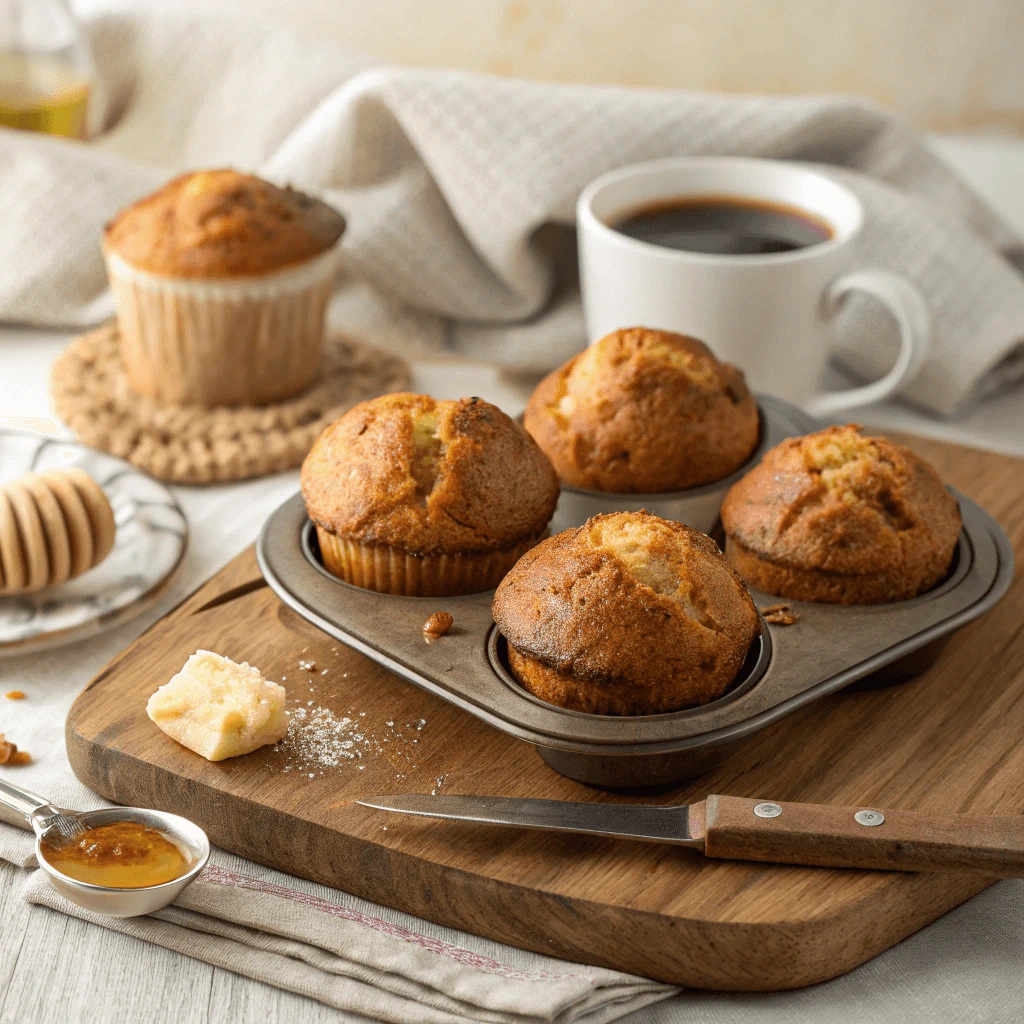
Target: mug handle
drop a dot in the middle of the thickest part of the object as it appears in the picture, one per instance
(910, 312)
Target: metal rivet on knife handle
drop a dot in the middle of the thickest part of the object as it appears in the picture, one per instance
(767, 810)
(869, 818)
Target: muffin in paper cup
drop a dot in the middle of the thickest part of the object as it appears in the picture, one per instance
(420, 497)
(221, 282)
(390, 570)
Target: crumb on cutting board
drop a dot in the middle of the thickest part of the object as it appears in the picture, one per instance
(319, 740)
(220, 708)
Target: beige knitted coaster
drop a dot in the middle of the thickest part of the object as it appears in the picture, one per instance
(190, 445)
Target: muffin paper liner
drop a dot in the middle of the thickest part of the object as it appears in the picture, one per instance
(229, 341)
(391, 570)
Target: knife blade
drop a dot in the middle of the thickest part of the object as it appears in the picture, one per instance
(620, 821)
(740, 828)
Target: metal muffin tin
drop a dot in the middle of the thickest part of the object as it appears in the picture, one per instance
(696, 506)
(828, 648)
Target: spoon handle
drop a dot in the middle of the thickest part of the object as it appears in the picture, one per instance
(17, 806)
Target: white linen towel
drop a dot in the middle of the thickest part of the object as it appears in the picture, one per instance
(459, 192)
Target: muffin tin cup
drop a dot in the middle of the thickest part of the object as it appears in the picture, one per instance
(228, 341)
(828, 648)
(696, 506)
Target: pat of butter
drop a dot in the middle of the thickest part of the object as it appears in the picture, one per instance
(219, 709)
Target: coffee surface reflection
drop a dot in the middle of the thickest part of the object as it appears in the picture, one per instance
(724, 226)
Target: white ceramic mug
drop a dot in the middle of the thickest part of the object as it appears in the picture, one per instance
(767, 313)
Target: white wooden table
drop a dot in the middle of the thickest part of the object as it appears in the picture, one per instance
(57, 969)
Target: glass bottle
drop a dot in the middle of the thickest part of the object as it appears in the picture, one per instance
(46, 68)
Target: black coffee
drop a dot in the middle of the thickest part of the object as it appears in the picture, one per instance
(724, 226)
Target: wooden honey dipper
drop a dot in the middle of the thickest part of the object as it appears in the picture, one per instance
(53, 527)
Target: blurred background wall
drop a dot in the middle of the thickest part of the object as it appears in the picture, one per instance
(950, 65)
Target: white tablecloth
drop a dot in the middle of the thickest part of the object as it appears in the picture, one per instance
(964, 967)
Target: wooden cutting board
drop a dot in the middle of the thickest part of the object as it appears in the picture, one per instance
(948, 740)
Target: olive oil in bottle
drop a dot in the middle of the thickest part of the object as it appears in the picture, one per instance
(42, 94)
(45, 69)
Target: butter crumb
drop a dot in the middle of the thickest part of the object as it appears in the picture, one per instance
(218, 708)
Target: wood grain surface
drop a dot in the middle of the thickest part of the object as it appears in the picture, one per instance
(946, 741)
(831, 836)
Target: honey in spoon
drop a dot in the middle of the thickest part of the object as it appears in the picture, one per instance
(120, 855)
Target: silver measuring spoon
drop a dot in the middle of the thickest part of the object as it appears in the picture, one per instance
(32, 812)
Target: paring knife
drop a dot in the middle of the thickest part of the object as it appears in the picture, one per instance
(737, 828)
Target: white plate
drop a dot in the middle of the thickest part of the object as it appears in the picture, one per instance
(148, 547)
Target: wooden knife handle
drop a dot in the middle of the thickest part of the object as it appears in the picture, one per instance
(853, 837)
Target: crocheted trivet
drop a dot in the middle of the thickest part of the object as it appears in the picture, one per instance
(192, 445)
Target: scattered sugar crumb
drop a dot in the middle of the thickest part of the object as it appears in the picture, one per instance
(317, 738)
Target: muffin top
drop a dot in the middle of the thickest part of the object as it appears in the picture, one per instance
(429, 476)
(644, 412)
(211, 224)
(842, 502)
(632, 600)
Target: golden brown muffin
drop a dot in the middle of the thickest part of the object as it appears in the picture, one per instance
(629, 614)
(212, 224)
(644, 412)
(416, 496)
(841, 518)
(221, 283)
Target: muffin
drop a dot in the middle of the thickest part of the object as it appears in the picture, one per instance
(644, 412)
(841, 518)
(629, 614)
(422, 497)
(221, 281)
